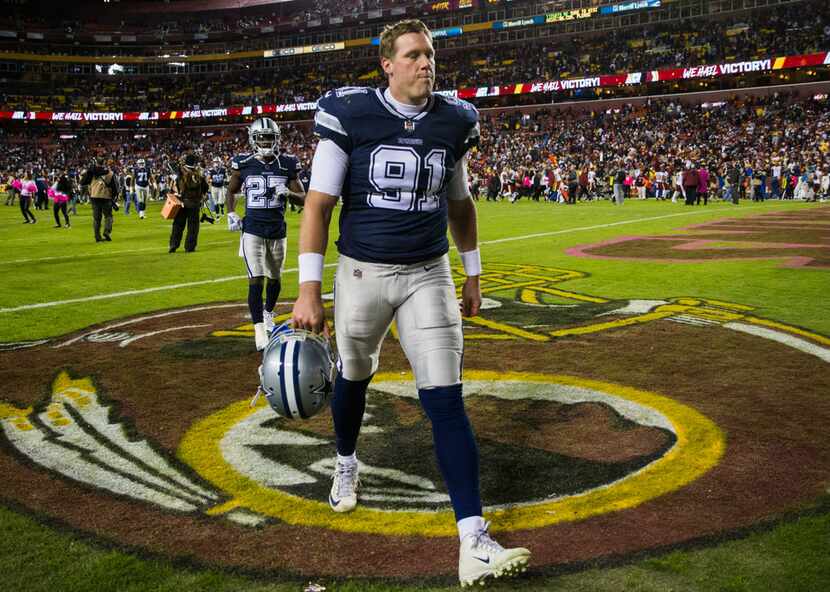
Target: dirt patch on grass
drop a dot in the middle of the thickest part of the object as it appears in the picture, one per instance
(801, 238)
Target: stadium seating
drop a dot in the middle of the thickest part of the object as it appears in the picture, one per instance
(483, 59)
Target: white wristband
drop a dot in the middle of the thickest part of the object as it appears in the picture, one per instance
(311, 267)
(471, 261)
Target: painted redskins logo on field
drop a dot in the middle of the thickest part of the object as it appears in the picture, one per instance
(605, 428)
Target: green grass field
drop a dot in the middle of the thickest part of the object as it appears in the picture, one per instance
(55, 281)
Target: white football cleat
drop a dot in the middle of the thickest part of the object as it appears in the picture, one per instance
(343, 496)
(260, 336)
(481, 557)
(268, 319)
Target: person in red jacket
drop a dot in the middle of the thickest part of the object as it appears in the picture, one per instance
(691, 180)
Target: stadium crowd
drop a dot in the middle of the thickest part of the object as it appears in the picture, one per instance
(688, 43)
(162, 25)
(759, 148)
(775, 142)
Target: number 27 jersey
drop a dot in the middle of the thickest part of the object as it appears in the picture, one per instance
(395, 192)
(261, 182)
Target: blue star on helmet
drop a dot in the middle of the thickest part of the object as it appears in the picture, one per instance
(324, 390)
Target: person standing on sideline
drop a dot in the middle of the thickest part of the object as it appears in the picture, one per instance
(192, 189)
(702, 186)
(218, 176)
(13, 185)
(268, 179)
(143, 179)
(677, 179)
(61, 194)
(619, 185)
(733, 179)
(397, 157)
(102, 191)
(28, 190)
(130, 196)
(42, 197)
(690, 183)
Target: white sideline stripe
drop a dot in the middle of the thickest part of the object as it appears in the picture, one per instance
(293, 269)
(135, 292)
(77, 255)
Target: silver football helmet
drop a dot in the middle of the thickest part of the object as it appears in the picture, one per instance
(140, 163)
(264, 136)
(297, 372)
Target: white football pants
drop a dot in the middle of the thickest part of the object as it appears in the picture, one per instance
(419, 297)
(263, 257)
(217, 194)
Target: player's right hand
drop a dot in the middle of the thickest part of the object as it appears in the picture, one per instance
(308, 310)
(234, 222)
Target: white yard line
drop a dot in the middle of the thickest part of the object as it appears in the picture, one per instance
(293, 269)
(159, 248)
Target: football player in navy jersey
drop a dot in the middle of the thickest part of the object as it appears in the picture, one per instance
(267, 179)
(142, 177)
(217, 176)
(396, 156)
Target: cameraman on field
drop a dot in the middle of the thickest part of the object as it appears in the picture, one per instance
(103, 190)
(192, 188)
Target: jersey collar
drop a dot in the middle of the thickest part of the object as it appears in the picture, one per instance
(391, 108)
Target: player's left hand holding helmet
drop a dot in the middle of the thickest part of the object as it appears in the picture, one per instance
(264, 136)
(297, 372)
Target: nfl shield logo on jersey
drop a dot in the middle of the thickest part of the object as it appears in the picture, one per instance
(409, 125)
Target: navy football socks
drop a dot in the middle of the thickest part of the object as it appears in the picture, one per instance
(272, 293)
(255, 302)
(348, 403)
(455, 447)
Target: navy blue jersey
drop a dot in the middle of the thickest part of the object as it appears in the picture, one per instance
(264, 210)
(217, 177)
(395, 193)
(142, 176)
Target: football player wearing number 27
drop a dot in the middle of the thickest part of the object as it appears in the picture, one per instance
(267, 178)
(397, 157)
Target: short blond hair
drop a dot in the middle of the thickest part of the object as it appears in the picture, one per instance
(391, 33)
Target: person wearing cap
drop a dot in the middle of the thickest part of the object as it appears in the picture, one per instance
(192, 189)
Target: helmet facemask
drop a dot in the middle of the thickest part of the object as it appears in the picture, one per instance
(264, 136)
